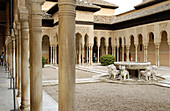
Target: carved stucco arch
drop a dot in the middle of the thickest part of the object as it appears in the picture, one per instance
(160, 36)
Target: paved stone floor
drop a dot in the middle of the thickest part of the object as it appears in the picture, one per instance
(116, 97)
(6, 95)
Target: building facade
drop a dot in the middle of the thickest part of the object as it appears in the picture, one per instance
(140, 35)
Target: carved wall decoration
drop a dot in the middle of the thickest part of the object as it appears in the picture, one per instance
(163, 26)
(150, 28)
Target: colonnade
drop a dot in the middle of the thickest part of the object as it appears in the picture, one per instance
(24, 52)
(145, 51)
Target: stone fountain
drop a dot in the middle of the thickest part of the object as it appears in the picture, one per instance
(133, 67)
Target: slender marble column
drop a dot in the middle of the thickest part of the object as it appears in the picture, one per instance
(157, 47)
(98, 51)
(127, 53)
(16, 56)
(13, 56)
(83, 55)
(91, 55)
(145, 53)
(35, 55)
(106, 49)
(19, 59)
(80, 54)
(123, 53)
(51, 60)
(54, 54)
(24, 64)
(117, 53)
(113, 51)
(87, 56)
(67, 53)
(136, 53)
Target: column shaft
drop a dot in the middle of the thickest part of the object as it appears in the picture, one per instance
(36, 56)
(24, 65)
(91, 55)
(117, 53)
(106, 50)
(123, 53)
(79, 54)
(67, 55)
(19, 60)
(136, 53)
(51, 60)
(82, 55)
(98, 49)
(127, 53)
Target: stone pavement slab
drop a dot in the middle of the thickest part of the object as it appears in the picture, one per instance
(6, 95)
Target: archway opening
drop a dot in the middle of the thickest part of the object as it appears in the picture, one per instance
(164, 50)
(46, 48)
(140, 50)
(151, 49)
(78, 48)
(95, 50)
(110, 46)
(102, 47)
(132, 49)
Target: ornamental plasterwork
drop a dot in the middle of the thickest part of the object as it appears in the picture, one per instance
(139, 30)
(150, 28)
(144, 12)
(82, 30)
(45, 32)
(162, 26)
(102, 34)
(103, 19)
(45, 15)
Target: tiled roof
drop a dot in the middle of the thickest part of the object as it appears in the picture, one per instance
(101, 3)
(85, 4)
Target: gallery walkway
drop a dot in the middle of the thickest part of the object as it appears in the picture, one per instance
(6, 95)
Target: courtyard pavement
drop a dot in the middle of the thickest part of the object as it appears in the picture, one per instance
(6, 95)
(89, 74)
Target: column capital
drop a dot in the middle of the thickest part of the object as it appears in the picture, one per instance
(36, 1)
(70, 10)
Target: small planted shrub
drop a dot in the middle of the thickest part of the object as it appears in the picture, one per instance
(107, 60)
(43, 61)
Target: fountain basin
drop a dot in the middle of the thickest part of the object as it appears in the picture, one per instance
(133, 65)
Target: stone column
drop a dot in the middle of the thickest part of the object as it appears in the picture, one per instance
(106, 49)
(145, 53)
(87, 54)
(157, 54)
(123, 53)
(24, 61)
(113, 51)
(117, 53)
(54, 54)
(67, 52)
(82, 54)
(51, 60)
(127, 53)
(13, 55)
(98, 51)
(90, 55)
(16, 59)
(136, 53)
(36, 55)
(19, 59)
